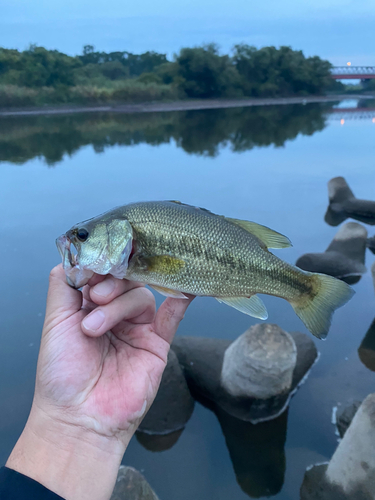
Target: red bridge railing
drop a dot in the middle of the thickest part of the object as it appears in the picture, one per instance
(353, 72)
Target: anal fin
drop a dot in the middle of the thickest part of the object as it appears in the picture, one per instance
(167, 292)
(253, 306)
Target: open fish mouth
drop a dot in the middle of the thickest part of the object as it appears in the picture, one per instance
(76, 276)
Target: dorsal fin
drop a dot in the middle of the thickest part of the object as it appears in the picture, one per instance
(268, 236)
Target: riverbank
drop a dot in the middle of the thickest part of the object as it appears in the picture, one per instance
(193, 104)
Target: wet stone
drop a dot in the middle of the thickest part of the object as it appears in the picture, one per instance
(343, 204)
(264, 397)
(344, 257)
(350, 473)
(131, 485)
(353, 463)
(260, 363)
(371, 244)
(173, 405)
(345, 416)
(366, 351)
(315, 486)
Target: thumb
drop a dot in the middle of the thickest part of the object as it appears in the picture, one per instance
(62, 299)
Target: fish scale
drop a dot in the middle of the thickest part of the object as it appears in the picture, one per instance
(232, 265)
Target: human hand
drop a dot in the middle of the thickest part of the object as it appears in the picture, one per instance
(93, 386)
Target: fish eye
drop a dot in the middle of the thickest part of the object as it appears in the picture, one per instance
(82, 234)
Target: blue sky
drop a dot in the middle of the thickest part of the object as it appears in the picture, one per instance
(339, 30)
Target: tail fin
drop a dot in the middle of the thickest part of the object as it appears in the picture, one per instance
(316, 309)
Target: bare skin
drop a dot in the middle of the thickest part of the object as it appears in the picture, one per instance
(94, 382)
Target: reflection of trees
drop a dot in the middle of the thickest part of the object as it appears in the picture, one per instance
(196, 132)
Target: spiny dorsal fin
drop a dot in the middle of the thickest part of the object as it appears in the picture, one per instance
(163, 264)
(253, 306)
(268, 236)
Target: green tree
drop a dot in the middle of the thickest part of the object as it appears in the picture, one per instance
(114, 70)
(203, 72)
(270, 71)
(37, 67)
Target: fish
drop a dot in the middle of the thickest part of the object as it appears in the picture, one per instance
(343, 204)
(179, 249)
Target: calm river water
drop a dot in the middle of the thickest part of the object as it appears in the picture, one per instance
(269, 164)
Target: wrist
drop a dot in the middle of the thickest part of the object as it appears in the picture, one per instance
(74, 462)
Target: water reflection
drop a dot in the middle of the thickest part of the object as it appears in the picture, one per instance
(158, 442)
(257, 453)
(196, 132)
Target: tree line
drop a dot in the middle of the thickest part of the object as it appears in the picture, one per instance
(197, 72)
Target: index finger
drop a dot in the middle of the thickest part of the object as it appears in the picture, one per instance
(110, 288)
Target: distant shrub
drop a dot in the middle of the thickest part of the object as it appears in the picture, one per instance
(14, 96)
(149, 78)
(130, 91)
(137, 92)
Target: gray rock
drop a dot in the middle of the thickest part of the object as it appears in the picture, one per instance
(316, 487)
(131, 485)
(366, 351)
(173, 405)
(371, 244)
(351, 472)
(202, 361)
(260, 363)
(343, 204)
(353, 463)
(344, 257)
(345, 416)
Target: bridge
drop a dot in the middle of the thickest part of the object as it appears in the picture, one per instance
(353, 72)
(344, 114)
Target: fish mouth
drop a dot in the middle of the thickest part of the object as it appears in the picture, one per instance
(76, 276)
(69, 259)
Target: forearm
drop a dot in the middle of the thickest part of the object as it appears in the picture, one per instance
(74, 463)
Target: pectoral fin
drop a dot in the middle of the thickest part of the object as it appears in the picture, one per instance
(168, 293)
(268, 236)
(253, 306)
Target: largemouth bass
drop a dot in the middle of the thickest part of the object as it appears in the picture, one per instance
(179, 249)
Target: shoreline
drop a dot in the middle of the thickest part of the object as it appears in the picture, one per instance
(194, 104)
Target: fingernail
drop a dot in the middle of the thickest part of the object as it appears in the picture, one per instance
(105, 288)
(94, 321)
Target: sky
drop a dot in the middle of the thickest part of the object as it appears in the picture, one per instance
(337, 30)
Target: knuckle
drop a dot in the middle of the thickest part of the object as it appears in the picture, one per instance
(55, 273)
(146, 295)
